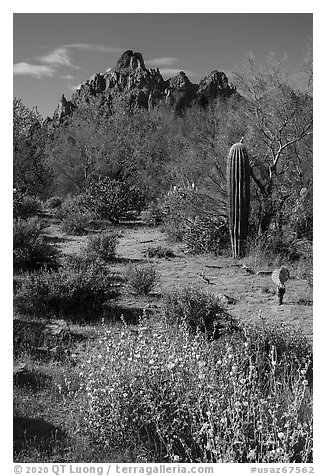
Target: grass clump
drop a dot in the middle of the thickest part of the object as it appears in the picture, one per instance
(143, 279)
(71, 292)
(30, 249)
(198, 310)
(102, 246)
(25, 206)
(172, 396)
(159, 252)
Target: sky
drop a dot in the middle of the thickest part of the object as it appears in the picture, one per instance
(55, 52)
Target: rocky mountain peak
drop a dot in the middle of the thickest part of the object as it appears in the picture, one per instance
(65, 108)
(146, 88)
(180, 81)
(130, 60)
(214, 85)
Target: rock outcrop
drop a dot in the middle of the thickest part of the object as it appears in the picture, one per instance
(65, 108)
(132, 81)
(180, 92)
(214, 85)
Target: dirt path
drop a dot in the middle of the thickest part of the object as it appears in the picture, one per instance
(254, 294)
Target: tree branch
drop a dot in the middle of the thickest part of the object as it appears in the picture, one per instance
(259, 184)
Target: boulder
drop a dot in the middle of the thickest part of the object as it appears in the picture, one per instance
(97, 83)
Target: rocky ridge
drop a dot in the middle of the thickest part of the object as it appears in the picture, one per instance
(144, 87)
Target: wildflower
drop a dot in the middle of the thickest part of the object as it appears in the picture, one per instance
(176, 458)
(305, 382)
(280, 435)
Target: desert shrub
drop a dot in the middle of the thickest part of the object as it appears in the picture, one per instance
(171, 396)
(206, 235)
(25, 206)
(30, 249)
(153, 215)
(305, 248)
(53, 202)
(102, 246)
(143, 278)
(301, 218)
(79, 262)
(72, 292)
(276, 244)
(193, 218)
(76, 223)
(198, 310)
(17, 202)
(76, 204)
(176, 207)
(159, 252)
(111, 199)
(75, 214)
(42, 339)
(291, 234)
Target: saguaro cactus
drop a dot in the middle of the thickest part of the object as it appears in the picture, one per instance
(238, 185)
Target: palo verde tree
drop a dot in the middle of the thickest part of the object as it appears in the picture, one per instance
(77, 149)
(207, 137)
(126, 144)
(31, 172)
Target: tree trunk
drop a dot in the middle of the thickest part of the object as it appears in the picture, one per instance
(267, 216)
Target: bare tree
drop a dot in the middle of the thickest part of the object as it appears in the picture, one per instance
(279, 123)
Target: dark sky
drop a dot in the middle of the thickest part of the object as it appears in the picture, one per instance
(54, 53)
